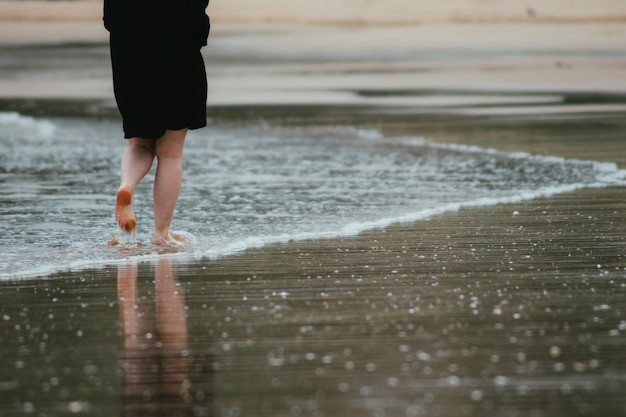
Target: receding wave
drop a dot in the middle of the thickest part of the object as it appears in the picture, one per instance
(248, 186)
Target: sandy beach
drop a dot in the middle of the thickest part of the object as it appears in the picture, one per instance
(256, 61)
(509, 310)
(350, 11)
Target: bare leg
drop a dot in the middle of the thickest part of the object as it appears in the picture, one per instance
(136, 162)
(167, 182)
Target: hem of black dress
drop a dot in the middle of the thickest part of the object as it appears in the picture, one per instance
(161, 132)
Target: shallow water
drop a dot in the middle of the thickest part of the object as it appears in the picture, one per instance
(476, 325)
(503, 310)
(248, 185)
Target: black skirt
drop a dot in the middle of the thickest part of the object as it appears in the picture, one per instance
(159, 77)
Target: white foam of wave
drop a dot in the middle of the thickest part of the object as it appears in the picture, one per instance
(608, 174)
(26, 124)
(355, 228)
(604, 174)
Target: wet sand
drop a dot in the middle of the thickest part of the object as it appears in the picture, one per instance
(512, 310)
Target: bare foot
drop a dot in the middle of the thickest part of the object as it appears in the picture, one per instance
(115, 240)
(124, 213)
(170, 238)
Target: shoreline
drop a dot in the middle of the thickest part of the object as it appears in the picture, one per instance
(534, 134)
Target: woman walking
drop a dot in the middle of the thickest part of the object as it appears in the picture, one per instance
(160, 87)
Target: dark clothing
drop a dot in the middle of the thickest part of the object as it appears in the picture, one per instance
(159, 79)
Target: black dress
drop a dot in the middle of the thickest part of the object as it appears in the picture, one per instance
(159, 79)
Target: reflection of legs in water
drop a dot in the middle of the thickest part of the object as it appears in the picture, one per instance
(156, 355)
(134, 328)
(172, 333)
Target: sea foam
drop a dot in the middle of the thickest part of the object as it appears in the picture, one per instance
(25, 125)
(247, 186)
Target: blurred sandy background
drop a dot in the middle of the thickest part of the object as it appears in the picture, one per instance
(320, 52)
(352, 11)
